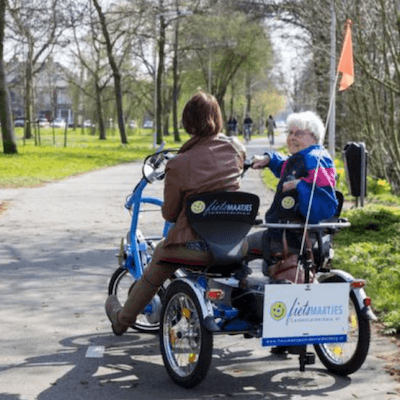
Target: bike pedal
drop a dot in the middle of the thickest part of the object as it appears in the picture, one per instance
(210, 324)
(310, 358)
(306, 358)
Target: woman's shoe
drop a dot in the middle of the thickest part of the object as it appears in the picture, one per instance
(113, 307)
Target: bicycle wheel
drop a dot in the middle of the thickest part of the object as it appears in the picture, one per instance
(247, 135)
(346, 358)
(186, 345)
(120, 284)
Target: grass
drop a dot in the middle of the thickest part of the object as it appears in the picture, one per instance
(36, 165)
(370, 249)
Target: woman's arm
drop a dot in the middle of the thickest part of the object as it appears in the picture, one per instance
(173, 194)
(324, 203)
(277, 160)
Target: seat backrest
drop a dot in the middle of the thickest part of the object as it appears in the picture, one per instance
(222, 220)
(340, 198)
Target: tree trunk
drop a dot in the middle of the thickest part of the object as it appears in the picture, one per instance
(116, 73)
(100, 114)
(159, 81)
(28, 98)
(166, 125)
(120, 111)
(175, 86)
(232, 105)
(248, 94)
(7, 129)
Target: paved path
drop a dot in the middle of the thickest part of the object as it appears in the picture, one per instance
(57, 246)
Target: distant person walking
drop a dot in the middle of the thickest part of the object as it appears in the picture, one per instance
(232, 126)
(247, 124)
(270, 127)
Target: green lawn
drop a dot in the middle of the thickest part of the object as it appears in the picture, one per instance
(35, 165)
(370, 249)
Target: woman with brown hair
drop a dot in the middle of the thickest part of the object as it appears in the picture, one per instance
(208, 162)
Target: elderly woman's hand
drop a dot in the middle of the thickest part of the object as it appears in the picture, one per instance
(260, 161)
(290, 185)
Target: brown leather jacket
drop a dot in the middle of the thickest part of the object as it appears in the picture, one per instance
(203, 164)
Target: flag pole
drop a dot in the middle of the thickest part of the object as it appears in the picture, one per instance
(331, 102)
(346, 67)
(332, 121)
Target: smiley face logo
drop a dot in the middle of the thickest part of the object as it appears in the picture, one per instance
(288, 202)
(278, 310)
(198, 207)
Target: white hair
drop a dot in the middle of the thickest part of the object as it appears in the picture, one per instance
(310, 121)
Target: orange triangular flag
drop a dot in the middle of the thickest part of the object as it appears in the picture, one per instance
(346, 66)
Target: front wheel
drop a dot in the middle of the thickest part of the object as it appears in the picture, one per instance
(121, 283)
(247, 135)
(186, 345)
(346, 358)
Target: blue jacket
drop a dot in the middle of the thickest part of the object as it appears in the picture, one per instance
(302, 165)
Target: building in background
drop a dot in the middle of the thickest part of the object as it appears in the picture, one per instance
(51, 97)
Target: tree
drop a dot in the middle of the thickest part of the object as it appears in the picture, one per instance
(224, 45)
(369, 110)
(7, 129)
(91, 58)
(40, 23)
(115, 69)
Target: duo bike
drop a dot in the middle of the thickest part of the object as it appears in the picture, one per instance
(226, 298)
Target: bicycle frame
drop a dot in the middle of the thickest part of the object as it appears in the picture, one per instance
(134, 262)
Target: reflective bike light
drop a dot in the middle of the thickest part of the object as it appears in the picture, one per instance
(358, 283)
(215, 294)
(367, 301)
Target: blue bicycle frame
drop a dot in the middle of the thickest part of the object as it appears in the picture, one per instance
(134, 262)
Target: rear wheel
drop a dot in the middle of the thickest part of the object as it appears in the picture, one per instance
(186, 345)
(346, 358)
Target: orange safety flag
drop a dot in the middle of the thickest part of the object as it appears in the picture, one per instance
(346, 66)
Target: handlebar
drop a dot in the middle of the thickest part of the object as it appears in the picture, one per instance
(247, 164)
(313, 227)
(154, 164)
(155, 159)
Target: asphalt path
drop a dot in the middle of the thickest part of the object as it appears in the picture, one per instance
(57, 253)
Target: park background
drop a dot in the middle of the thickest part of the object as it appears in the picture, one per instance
(128, 67)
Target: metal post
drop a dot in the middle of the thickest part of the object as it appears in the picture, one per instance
(363, 174)
(209, 72)
(332, 82)
(155, 84)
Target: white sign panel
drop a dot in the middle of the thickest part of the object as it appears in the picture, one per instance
(303, 314)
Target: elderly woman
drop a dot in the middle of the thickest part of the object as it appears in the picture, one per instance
(308, 161)
(208, 162)
(304, 141)
(298, 171)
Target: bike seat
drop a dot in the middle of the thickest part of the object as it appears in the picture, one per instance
(222, 220)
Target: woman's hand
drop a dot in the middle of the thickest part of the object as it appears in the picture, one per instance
(260, 162)
(290, 185)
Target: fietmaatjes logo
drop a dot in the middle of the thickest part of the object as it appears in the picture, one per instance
(197, 207)
(288, 202)
(278, 310)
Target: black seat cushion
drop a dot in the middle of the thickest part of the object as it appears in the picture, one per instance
(222, 220)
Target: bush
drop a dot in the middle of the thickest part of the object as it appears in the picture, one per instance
(370, 249)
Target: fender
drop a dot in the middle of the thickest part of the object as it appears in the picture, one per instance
(359, 293)
(206, 307)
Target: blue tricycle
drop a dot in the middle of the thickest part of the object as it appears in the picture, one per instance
(331, 311)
